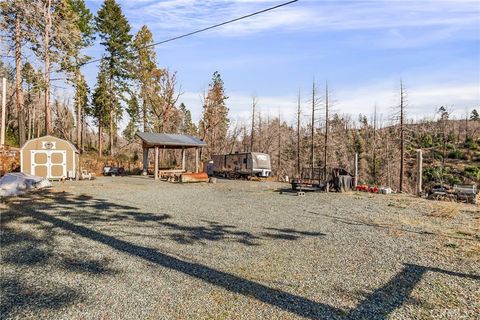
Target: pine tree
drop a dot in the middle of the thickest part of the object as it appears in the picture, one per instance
(474, 115)
(113, 29)
(101, 101)
(133, 113)
(188, 127)
(214, 123)
(80, 104)
(146, 73)
(54, 36)
(84, 23)
(14, 21)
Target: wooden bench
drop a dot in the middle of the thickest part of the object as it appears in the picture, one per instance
(170, 174)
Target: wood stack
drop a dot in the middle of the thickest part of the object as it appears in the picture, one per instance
(9, 160)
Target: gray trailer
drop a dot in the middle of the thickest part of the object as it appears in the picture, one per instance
(242, 165)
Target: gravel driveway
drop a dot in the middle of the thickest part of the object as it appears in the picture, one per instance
(133, 248)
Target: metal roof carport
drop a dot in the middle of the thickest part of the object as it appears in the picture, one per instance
(168, 141)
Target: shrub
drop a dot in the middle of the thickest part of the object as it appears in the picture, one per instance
(450, 146)
(472, 172)
(432, 174)
(426, 141)
(456, 154)
(470, 144)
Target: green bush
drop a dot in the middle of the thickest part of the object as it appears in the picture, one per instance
(454, 180)
(470, 144)
(450, 146)
(432, 174)
(472, 172)
(456, 154)
(426, 141)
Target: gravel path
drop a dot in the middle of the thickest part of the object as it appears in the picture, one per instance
(132, 248)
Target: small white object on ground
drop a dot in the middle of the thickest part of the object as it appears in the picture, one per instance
(17, 183)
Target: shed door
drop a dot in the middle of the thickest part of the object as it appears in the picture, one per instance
(50, 164)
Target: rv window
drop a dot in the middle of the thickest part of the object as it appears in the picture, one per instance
(244, 160)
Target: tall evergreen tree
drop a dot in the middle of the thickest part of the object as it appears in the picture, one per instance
(214, 123)
(84, 23)
(114, 31)
(188, 127)
(133, 113)
(54, 36)
(101, 101)
(474, 115)
(147, 73)
(14, 22)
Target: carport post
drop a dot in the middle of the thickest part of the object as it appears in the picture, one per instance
(145, 161)
(156, 163)
(183, 158)
(196, 159)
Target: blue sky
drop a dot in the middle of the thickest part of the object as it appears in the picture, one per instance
(363, 49)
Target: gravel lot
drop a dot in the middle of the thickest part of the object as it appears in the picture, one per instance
(132, 248)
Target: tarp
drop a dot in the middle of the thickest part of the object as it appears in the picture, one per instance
(17, 183)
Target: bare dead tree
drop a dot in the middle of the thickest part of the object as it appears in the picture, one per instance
(326, 133)
(402, 135)
(298, 135)
(279, 144)
(252, 132)
(312, 133)
(374, 146)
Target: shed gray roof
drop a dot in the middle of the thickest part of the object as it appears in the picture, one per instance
(170, 140)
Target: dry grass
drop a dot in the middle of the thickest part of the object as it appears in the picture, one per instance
(444, 210)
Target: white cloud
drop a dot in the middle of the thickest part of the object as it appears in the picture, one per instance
(310, 16)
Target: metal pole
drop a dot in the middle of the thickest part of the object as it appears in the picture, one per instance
(4, 106)
(419, 172)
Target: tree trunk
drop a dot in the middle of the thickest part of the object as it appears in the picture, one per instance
(112, 112)
(111, 133)
(298, 136)
(145, 123)
(374, 173)
(18, 82)
(99, 139)
(326, 135)
(402, 137)
(252, 132)
(79, 126)
(48, 25)
(312, 134)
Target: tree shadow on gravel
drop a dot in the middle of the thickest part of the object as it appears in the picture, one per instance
(52, 214)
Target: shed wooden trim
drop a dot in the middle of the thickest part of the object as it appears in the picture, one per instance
(50, 136)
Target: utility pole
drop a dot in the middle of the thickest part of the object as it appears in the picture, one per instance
(4, 107)
(326, 133)
(298, 135)
(312, 134)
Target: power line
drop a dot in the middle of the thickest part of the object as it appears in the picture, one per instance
(204, 29)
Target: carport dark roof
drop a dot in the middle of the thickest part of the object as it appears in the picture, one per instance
(167, 140)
